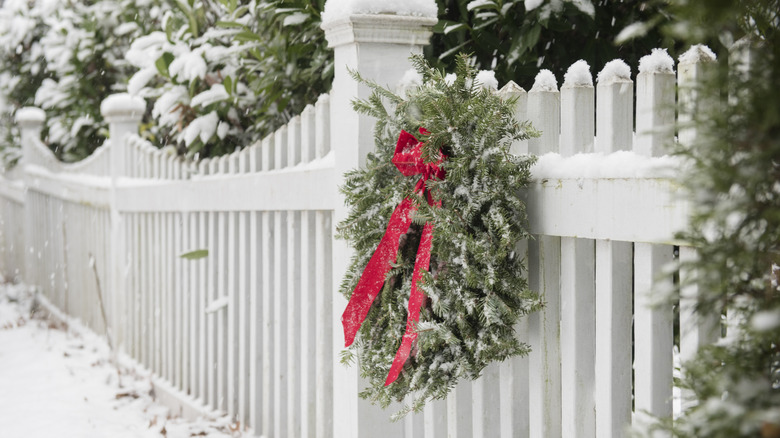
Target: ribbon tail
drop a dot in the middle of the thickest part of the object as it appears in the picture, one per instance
(376, 270)
(416, 299)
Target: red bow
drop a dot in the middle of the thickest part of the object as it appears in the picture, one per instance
(408, 159)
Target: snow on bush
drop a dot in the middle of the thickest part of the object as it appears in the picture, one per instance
(223, 75)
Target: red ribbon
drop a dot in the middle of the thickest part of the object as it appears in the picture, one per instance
(408, 159)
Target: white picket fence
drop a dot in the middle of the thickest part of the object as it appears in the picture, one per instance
(253, 329)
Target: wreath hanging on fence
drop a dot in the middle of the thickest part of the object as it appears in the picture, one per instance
(435, 220)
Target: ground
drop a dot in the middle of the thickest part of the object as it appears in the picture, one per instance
(58, 380)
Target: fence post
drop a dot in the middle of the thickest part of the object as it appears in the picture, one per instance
(30, 120)
(378, 46)
(123, 114)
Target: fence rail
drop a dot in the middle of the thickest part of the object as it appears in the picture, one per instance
(251, 329)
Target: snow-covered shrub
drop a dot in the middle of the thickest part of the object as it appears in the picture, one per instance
(223, 75)
(22, 66)
(84, 48)
(191, 71)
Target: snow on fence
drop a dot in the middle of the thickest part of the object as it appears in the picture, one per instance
(252, 328)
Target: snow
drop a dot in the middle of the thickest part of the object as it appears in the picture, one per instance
(545, 81)
(697, 53)
(122, 103)
(578, 74)
(449, 79)
(487, 79)
(766, 320)
(203, 127)
(411, 78)
(621, 164)
(585, 6)
(614, 71)
(165, 106)
(532, 4)
(218, 304)
(658, 61)
(59, 380)
(30, 114)
(473, 4)
(295, 19)
(215, 94)
(633, 30)
(140, 79)
(188, 66)
(339, 9)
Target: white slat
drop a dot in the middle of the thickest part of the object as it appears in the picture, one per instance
(292, 319)
(544, 389)
(578, 330)
(654, 112)
(513, 91)
(322, 131)
(203, 319)
(255, 321)
(230, 270)
(459, 424)
(486, 398)
(280, 327)
(613, 337)
(324, 324)
(544, 113)
(435, 419)
(222, 314)
(268, 380)
(244, 323)
(652, 333)
(211, 322)
(577, 119)
(614, 115)
(308, 286)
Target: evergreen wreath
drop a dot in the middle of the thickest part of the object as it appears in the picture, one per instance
(474, 291)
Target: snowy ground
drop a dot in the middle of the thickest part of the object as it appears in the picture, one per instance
(58, 381)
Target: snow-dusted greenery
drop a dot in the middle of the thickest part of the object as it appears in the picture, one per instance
(66, 57)
(23, 67)
(475, 288)
(84, 48)
(223, 74)
(735, 226)
(218, 74)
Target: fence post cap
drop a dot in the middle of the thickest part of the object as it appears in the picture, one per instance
(123, 107)
(30, 116)
(379, 28)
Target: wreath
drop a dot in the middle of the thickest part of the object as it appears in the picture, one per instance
(436, 285)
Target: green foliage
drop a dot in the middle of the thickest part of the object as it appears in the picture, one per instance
(475, 289)
(22, 67)
(735, 226)
(516, 42)
(259, 64)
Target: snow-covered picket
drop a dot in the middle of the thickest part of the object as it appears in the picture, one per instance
(475, 291)
(60, 379)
